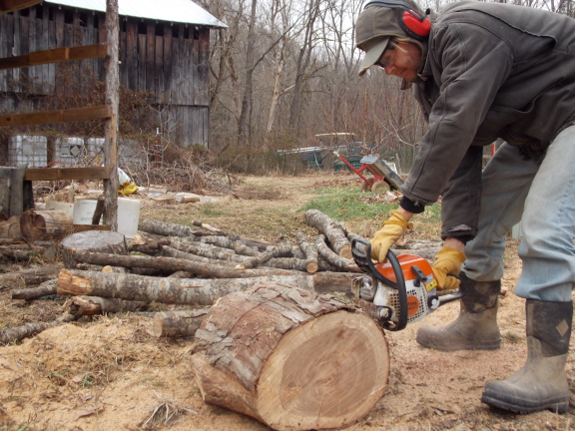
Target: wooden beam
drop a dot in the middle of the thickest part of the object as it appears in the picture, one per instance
(61, 116)
(12, 5)
(57, 55)
(55, 174)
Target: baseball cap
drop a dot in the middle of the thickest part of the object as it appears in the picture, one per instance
(373, 50)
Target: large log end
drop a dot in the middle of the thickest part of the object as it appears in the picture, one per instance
(328, 373)
(291, 359)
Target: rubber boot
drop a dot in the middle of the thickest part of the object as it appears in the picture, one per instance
(541, 383)
(476, 327)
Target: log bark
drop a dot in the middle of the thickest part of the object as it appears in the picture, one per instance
(183, 291)
(40, 225)
(94, 305)
(183, 323)
(332, 231)
(46, 288)
(20, 332)
(96, 241)
(165, 229)
(291, 359)
(11, 228)
(173, 264)
(334, 259)
(99, 211)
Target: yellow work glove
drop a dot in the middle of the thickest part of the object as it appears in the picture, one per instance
(448, 264)
(390, 232)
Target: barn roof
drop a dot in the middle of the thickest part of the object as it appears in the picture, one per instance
(185, 11)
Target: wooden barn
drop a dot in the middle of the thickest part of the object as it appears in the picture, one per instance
(164, 49)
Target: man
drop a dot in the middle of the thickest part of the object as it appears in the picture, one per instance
(483, 71)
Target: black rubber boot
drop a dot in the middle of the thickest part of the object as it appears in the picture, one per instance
(541, 384)
(475, 328)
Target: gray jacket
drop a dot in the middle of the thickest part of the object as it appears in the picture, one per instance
(491, 70)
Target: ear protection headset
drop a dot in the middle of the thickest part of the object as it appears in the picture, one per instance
(414, 23)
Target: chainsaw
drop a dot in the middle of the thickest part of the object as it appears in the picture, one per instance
(398, 292)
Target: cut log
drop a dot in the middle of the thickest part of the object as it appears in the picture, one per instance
(11, 228)
(92, 240)
(291, 359)
(333, 258)
(39, 225)
(310, 252)
(184, 290)
(332, 231)
(25, 252)
(206, 250)
(46, 288)
(183, 323)
(20, 332)
(95, 305)
(173, 264)
(165, 229)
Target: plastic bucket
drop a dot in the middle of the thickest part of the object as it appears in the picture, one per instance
(84, 211)
(128, 216)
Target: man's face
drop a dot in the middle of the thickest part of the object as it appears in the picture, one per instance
(402, 61)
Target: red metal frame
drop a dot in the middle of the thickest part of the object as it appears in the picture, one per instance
(376, 174)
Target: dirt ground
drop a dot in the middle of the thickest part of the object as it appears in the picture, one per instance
(108, 373)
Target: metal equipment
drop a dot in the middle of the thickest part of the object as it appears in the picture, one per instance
(398, 292)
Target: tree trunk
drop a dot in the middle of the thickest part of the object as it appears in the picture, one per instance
(172, 264)
(92, 240)
(310, 251)
(333, 258)
(46, 288)
(332, 231)
(39, 225)
(183, 323)
(184, 291)
(290, 358)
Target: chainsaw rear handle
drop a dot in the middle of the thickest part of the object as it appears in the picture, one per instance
(361, 251)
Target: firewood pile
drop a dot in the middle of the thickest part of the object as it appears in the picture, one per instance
(189, 266)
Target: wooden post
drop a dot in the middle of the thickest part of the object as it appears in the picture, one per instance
(112, 28)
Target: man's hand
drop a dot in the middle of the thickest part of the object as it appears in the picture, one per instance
(447, 265)
(391, 231)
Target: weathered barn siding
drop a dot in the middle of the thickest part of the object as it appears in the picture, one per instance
(169, 60)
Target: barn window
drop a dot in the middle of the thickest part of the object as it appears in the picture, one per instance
(84, 19)
(141, 27)
(96, 21)
(39, 12)
(124, 26)
(196, 33)
(159, 29)
(68, 17)
(186, 32)
(175, 31)
(24, 12)
(51, 13)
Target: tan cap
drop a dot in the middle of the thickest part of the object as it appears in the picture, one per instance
(373, 50)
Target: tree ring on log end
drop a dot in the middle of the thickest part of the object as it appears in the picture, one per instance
(327, 373)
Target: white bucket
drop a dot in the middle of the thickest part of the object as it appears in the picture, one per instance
(128, 214)
(84, 211)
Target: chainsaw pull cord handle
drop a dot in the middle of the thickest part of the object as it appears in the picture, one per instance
(363, 259)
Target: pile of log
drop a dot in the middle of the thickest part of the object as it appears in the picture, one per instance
(186, 267)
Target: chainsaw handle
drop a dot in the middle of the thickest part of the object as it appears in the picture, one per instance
(361, 251)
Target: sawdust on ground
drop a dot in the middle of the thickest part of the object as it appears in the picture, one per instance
(108, 373)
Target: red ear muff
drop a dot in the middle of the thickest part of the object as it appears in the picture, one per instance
(420, 28)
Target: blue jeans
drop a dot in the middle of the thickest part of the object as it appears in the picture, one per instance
(543, 198)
